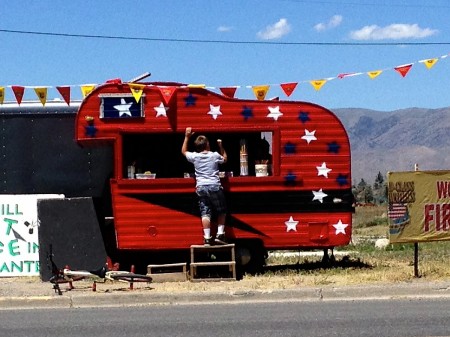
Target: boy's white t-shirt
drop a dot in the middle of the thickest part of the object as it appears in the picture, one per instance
(206, 167)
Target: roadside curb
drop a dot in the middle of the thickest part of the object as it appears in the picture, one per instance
(127, 299)
(34, 302)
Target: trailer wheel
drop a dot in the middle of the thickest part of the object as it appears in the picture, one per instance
(250, 257)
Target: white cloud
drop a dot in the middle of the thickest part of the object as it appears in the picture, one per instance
(275, 31)
(335, 21)
(395, 31)
(224, 29)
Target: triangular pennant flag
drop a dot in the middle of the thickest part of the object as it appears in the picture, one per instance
(86, 89)
(430, 62)
(344, 75)
(136, 90)
(403, 70)
(18, 92)
(228, 91)
(2, 94)
(318, 84)
(41, 94)
(167, 93)
(288, 88)
(65, 93)
(374, 73)
(260, 91)
(197, 86)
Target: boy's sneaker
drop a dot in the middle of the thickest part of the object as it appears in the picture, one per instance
(220, 238)
(207, 241)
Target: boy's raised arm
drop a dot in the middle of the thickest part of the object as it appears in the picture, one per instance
(187, 135)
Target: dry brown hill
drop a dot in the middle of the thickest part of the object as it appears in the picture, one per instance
(396, 140)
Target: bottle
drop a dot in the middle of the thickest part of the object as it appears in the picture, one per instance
(243, 158)
(131, 171)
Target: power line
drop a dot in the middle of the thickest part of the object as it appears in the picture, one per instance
(371, 4)
(131, 38)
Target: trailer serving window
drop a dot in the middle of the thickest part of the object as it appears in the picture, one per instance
(249, 153)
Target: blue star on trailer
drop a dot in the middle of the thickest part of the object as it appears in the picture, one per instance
(333, 147)
(190, 100)
(342, 179)
(304, 117)
(247, 112)
(90, 130)
(289, 148)
(290, 178)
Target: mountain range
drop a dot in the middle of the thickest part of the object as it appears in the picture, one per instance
(396, 140)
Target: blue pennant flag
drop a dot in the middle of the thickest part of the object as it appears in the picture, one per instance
(121, 107)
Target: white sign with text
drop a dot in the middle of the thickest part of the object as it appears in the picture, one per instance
(19, 242)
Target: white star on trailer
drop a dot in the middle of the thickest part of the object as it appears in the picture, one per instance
(319, 195)
(291, 224)
(323, 170)
(275, 112)
(340, 227)
(123, 108)
(161, 110)
(214, 111)
(309, 136)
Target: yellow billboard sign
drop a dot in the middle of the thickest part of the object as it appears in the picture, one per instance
(419, 206)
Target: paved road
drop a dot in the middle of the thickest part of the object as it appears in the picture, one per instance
(425, 317)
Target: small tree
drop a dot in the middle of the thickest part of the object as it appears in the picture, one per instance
(359, 191)
(368, 194)
(379, 189)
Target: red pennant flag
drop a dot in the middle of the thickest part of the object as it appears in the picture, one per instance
(65, 93)
(18, 92)
(288, 88)
(403, 70)
(228, 91)
(167, 93)
(341, 76)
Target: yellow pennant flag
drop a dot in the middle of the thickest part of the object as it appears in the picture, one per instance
(136, 90)
(318, 84)
(260, 91)
(2, 94)
(41, 94)
(375, 73)
(86, 89)
(430, 62)
(197, 86)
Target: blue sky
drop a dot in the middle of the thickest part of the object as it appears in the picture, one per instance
(235, 43)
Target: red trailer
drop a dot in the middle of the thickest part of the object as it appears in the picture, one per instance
(301, 200)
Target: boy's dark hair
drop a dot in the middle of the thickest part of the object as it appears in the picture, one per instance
(201, 143)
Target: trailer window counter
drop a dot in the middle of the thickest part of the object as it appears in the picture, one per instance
(159, 154)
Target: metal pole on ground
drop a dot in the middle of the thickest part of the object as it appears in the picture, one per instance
(416, 259)
(416, 244)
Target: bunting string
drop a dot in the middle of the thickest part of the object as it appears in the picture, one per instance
(260, 91)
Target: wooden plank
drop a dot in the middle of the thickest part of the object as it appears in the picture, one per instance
(214, 263)
(168, 272)
(169, 277)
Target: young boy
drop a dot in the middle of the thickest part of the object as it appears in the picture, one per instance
(211, 198)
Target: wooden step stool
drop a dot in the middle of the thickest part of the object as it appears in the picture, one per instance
(172, 272)
(231, 263)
